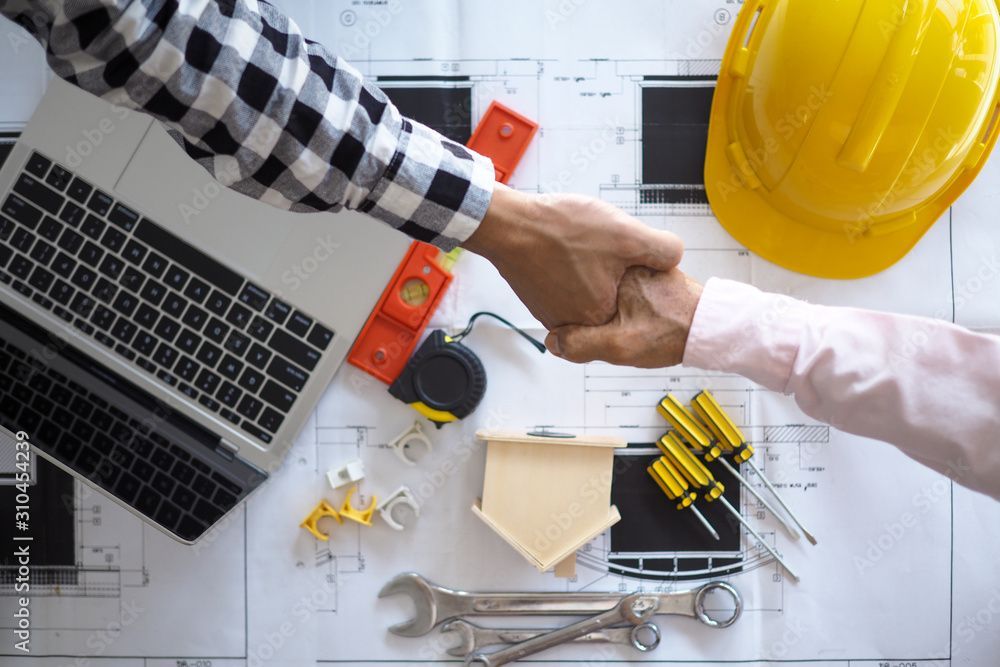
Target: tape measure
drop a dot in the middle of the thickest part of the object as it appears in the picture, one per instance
(444, 380)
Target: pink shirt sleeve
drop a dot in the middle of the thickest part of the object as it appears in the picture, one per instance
(928, 387)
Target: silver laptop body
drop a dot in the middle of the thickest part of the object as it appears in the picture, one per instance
(171, 361)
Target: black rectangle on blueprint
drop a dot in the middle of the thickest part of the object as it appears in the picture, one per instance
(421, 78)
(445, 108)
(51, 525)
(675, 132)
(681, 77)
(689, 194)
(652, 524)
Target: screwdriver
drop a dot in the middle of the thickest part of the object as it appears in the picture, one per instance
(735, 443)
(701, 478)
(684, 422)
(676, 487)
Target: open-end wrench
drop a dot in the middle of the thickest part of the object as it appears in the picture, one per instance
(434, 604)
(472, 637)
(636, 609)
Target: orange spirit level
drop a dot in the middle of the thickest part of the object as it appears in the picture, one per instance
(390, 334)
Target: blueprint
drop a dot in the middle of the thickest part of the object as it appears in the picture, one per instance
(905, 573)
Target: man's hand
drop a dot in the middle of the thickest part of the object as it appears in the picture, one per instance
(655, 311)
(564, 255)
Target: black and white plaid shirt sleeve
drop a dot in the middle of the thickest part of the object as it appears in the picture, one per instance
(266, 111)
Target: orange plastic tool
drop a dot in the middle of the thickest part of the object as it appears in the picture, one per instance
(390, 334)
(503, 135)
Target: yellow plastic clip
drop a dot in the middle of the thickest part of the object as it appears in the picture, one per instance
(362, 516)
(311, 522)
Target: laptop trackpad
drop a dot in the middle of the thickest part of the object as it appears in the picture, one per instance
(176, 192)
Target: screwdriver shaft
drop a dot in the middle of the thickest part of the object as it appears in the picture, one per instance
(756, 494)
(777, 496)
(735, 443)
(760, 540)
(704, 522)
(672, 483)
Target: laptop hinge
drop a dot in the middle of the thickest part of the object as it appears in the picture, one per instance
(227, 449)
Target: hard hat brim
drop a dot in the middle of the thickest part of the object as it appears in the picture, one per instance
(796, 246)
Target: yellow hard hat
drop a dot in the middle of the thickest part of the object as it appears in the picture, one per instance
(840, 131)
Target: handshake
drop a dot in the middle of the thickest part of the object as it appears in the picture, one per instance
(606, 286)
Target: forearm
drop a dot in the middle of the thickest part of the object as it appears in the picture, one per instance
(930, 388)
(267, 112)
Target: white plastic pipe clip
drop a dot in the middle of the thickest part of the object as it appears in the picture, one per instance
(403, 443)
(350, 472)
(401, 497)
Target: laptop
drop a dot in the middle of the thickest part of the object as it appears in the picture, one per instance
(162, 338)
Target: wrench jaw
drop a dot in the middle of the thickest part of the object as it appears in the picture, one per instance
(466, 640)
(637, 609)
(425, 608)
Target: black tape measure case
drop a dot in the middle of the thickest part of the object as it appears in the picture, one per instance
(444, 380)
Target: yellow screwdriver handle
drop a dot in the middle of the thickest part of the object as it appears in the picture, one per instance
(672, 470)
(722, 426)
(668, 484)
(681, 419)
(742, 453)
(690, 466)
(661, 443)
(668, 475)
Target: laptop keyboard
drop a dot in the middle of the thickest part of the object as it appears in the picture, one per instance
(203, 330)
(119, 453)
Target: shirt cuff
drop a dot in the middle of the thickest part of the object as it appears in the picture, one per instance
(739, 329)
(433, 189)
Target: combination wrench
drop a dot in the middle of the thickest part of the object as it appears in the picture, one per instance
(472, 637)
(435, 604)
(636, 609)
